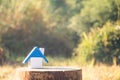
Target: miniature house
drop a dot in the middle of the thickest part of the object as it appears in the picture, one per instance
(35, 58)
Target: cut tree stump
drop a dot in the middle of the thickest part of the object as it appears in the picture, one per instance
(49, 73)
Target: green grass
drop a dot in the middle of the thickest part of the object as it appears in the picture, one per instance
(53, 61)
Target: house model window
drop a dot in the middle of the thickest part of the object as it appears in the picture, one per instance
(35, 58)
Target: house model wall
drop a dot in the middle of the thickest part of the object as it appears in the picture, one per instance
(35, 63)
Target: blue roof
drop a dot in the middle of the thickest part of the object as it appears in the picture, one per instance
(36, 52)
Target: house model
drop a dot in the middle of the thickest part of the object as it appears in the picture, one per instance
(35, 58)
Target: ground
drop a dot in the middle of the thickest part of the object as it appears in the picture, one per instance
(100, 72)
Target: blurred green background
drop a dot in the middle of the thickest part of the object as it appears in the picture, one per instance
(84, 31)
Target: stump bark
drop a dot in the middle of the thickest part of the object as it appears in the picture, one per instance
(49, 73)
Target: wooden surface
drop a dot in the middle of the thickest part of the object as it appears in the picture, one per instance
(49, 73)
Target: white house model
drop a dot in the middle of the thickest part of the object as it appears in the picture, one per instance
(35, 58)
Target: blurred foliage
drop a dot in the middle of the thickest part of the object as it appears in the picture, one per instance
(101, 45)
(94, 14)
(26, 28)
(56, 25)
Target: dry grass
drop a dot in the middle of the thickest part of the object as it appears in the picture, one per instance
(101, 73)
(89, 72)
(6, 72)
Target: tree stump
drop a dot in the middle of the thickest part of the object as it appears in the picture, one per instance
(49, 73)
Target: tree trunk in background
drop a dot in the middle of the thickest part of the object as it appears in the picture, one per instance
(49, 73)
